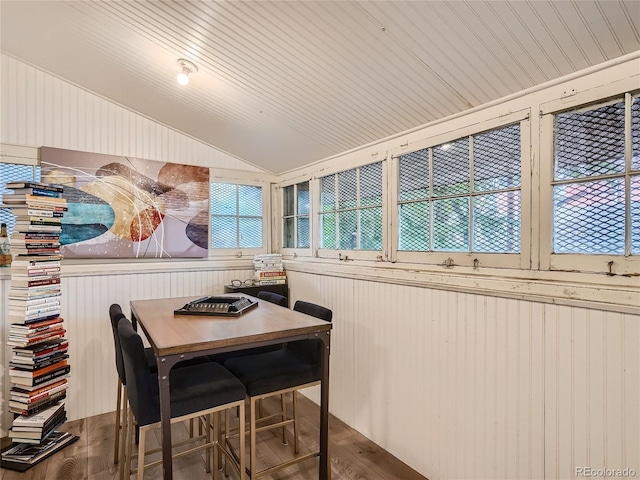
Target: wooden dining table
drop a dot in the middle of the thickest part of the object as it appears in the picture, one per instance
(176, 337)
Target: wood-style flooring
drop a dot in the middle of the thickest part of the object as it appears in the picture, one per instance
(353, 456)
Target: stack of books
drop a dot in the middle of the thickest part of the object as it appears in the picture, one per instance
(269, 269)
(23, 456)
(35, 428)
(38, 369)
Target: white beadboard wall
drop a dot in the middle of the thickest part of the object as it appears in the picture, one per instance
(39, 109)
(464, 386)
(459, 386)
(85, 308)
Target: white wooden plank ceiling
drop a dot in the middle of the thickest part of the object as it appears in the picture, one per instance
(283, 84)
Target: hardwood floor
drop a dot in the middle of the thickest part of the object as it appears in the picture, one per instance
(353, 457)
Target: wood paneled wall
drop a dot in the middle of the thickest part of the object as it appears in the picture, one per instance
(464, 386)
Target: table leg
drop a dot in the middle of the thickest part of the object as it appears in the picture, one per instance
(325, 459)
(165, 417)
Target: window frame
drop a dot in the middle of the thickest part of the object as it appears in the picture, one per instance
(583, 262)
(474, 260)
(242, 178)
(347, 255)
(296, 251)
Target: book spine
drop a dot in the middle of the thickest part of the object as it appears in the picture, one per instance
(32, 212)
(274, 274)
(271, 282)
(49, 376)
(26, 393)
(35, 409)
(38, 185)
(45, 199)
(39, 283)
(51, 394)
(25, 343)
(43, 192)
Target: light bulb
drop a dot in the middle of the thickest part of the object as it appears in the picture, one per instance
(183, 77)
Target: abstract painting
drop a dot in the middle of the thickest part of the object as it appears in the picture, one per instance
(122, 207)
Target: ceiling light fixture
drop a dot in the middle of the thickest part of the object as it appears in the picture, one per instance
(187, 68)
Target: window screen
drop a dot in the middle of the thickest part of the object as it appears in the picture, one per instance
(236, 216)
(10, 172)
(462, 196)
(351, 209)
(595, 184)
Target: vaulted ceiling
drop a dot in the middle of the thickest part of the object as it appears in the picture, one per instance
(285, 83)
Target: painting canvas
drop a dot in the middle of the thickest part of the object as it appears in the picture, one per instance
(122, 207)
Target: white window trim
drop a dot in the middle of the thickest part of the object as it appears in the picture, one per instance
(19, 154)
(347, 255)
(520, 260)
(295, 252)
(244, 178)
(576, 262)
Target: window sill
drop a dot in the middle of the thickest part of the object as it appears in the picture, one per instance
(87, 268)
(610, 293)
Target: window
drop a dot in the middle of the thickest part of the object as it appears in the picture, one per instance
(296, 228)
(12, 172)
(590, 178)
(236, 216)
(595, 186)
(462, 195)
(351, 209)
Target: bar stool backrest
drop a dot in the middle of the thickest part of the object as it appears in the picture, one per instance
(142, 389)
(272, 297)
(310, 350)
(314, 310)
(115, 312)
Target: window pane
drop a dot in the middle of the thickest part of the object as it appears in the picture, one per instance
(250, 201)
(223, 199)
(496, 159)
(414, 175)
(371, 228)
(635, 215)
(347, 189)
(451, 168)
(371, 185)
(328, 193)
(589, 217)
(288, 207)
(589, 143)
(11, 172)
(413, 226)
(288, 233)
(451, 225)
(224, 233)
(303, 198)
(250, 232)
(348, 227)
(303, 232)
(635, 133)
(496, 223)
(328, 231)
